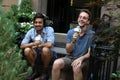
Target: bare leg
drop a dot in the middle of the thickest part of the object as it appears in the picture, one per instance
(46, 56)
(57, 66)
(30, 55)
(78, 74)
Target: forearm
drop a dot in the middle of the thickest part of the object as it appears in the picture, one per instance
(27, 45)
(47, 44)
(70, 46)
(87, 55)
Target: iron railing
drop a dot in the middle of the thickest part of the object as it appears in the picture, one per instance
(103, 62)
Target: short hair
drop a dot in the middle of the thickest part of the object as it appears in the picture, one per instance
(88, 12)
(40, 15)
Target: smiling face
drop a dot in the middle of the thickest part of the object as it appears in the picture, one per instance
(39, 24)
(83, 19)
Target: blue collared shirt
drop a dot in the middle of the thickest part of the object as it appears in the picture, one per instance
(47, 35)
(82, 43)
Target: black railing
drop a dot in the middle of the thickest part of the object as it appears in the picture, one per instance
(103, 62)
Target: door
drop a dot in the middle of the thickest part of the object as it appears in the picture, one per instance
(58, 12)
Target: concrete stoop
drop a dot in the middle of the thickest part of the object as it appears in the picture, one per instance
(60, 43)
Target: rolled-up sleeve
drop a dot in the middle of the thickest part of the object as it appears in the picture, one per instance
(50, 35)
(69, 36)
(26, 38)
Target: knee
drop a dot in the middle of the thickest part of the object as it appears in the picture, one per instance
(45, 51)
(58, 64)
(77, 71)
(27, 51)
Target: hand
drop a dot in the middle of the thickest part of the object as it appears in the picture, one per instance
(41, 45)
(34, 47)
(75, 36)
(77, 63)
(37, 42)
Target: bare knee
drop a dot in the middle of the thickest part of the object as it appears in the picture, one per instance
(77, 71)
(27, 51)
(58, 64)
(46, 51)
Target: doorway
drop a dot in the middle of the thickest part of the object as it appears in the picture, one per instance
(62, 13)
(58, 11)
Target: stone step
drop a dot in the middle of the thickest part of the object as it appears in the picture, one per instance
(59, 50)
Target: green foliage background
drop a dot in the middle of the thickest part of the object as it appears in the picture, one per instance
(6, 31)
(26, 6)
(12, 67)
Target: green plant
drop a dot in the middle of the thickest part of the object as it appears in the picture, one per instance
(116, 75)
(26, 6)
(12, 67)
(110, 36)
(24, 19)
(30, 16)
(24, 27)
(26, 9)
(6, 31)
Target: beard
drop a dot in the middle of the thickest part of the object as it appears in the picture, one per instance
(38, 28)
(82, 26)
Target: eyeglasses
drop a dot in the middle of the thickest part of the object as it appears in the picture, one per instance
(83, 17)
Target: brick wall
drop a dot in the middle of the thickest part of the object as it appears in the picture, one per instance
(38, 5)
(7, 3)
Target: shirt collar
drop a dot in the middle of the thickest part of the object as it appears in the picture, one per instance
(43, 31)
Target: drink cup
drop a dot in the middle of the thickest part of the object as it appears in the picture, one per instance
(38, 38)
(77, 29)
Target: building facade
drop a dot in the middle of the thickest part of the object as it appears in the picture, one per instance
(61, 12)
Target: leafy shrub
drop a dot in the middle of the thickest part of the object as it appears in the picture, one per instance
(26, 6)
(12, 67)
(116, 75)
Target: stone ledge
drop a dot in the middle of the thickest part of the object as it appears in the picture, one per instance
(60, 50)
(60, 43)
(60, 37)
